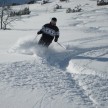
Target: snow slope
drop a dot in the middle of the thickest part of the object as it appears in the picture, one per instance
(35, 77)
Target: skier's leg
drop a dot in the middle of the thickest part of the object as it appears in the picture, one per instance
(45, 41)
(47, 44)
(48, 41)
(41, 41)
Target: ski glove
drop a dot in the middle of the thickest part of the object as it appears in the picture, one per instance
(39, 32)
(56, 39)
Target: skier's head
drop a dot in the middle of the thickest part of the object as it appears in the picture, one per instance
(53, 21)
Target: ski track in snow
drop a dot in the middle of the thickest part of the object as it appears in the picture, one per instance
(55, 81)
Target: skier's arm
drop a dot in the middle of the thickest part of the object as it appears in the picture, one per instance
(57, 36)
(41, 31)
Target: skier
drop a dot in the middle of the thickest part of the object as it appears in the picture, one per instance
(49, 32)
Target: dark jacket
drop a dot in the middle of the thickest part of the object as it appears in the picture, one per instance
(49, 30)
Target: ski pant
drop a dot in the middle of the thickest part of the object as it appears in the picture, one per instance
(45, 40)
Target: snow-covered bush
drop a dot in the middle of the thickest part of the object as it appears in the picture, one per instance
(25, 11)
(57, 6)
(102, 2)
(31, 2)
(64, 0)
(44, 2)
(76, 9)
(68, 10)
(15, 4)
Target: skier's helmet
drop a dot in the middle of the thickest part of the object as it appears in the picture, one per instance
(54, 19)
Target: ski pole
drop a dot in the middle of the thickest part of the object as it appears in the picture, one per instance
(61, 45)
(35, 37)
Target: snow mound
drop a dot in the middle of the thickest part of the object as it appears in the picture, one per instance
(77, 69)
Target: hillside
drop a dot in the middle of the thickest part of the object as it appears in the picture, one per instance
(76, 77)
